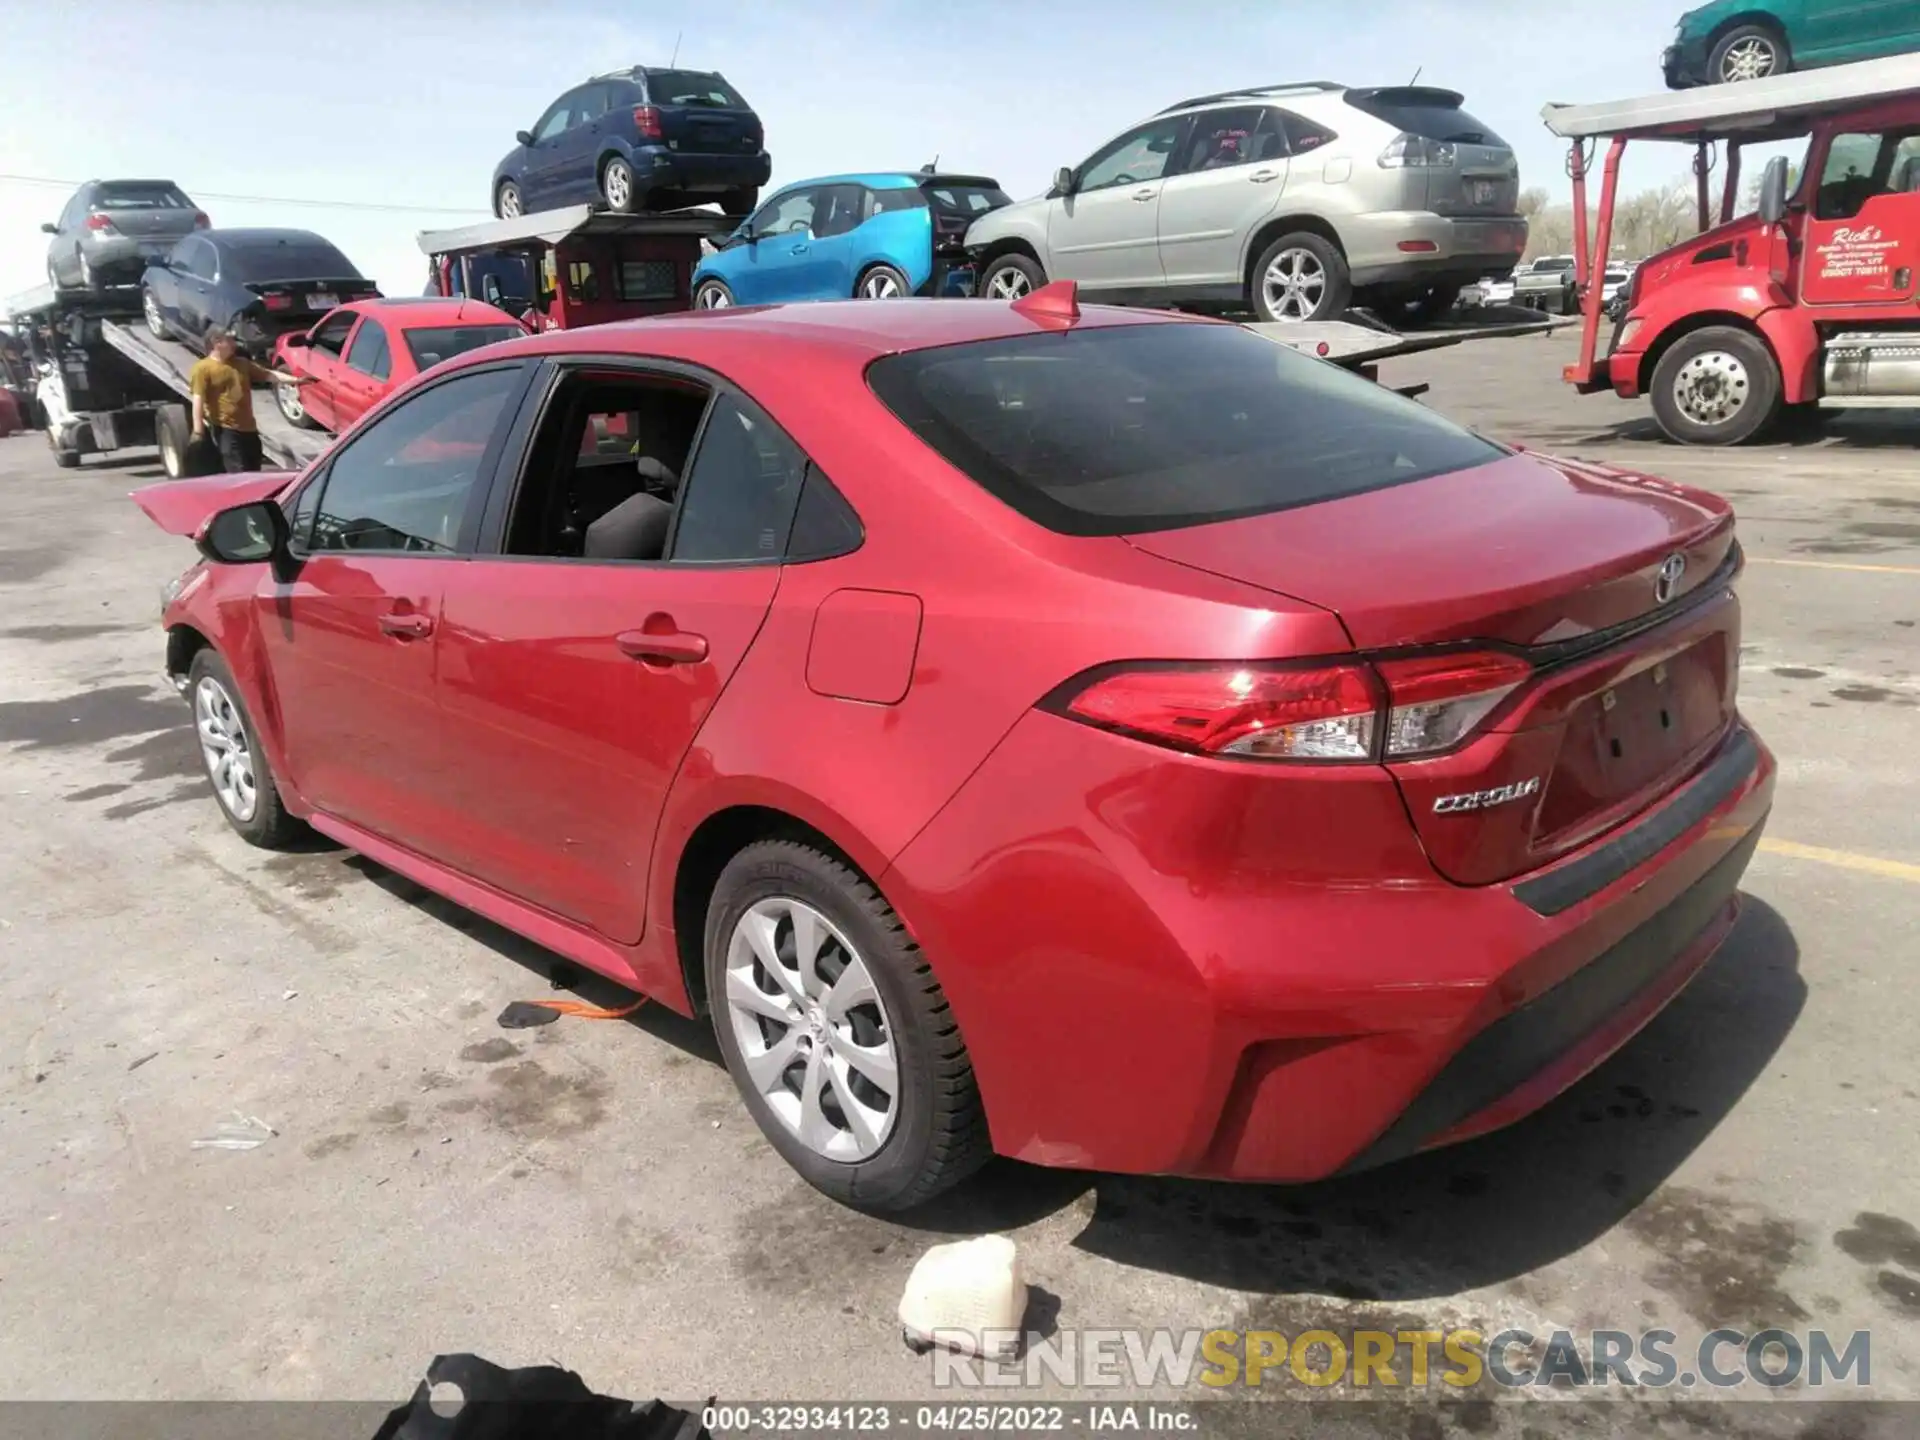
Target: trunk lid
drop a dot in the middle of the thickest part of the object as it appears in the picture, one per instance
(301, 299)
(183, 507)
(1463, 167)
(1633, 685)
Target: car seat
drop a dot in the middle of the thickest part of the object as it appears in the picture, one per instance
(635, 529)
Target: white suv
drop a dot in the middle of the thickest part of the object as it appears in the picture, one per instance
(1294, 201)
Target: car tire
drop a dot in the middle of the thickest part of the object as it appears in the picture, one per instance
(1748, 52)
(53, 275)
(934, 1133)
(882, 282)
(618, 186)
(508, 203)
(155, 317)
(1300, 276)
(172, 432)
(1716, 386)
(1010, 277)
(218, 711)
(740, 201)
(287, 398)
(89, 277)
(712, 295)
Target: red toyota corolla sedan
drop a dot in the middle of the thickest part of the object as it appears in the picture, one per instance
(1106, 738)
(362, 350)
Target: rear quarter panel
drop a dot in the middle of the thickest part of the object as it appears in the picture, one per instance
(900, 238)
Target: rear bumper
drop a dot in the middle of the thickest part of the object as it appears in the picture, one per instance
(660, 168)
(1304, 1013)
(123, 254)
(1443, 249)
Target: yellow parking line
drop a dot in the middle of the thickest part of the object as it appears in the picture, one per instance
(1836, 565)
(1845, 859)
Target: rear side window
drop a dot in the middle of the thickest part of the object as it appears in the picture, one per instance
(121, 196)
(742, 489)
(692, 87)
(886, 201)
(1126, 429)
(1430, 114)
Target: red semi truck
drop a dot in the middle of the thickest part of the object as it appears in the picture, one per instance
(1812, 302)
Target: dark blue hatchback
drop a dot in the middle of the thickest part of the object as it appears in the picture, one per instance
(636, 140)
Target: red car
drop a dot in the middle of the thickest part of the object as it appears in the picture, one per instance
(361, 351)
(1106, 738)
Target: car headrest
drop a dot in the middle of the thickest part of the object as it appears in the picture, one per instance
(635, 529)
(656, 474)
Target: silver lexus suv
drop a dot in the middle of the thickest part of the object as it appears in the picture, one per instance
(1293, 201)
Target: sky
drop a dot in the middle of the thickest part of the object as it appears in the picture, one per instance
(371, 122)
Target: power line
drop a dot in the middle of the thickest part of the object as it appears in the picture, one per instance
(274, 199)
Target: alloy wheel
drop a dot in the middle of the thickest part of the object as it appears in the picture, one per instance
(711, 297)
(1750, 59)
(1711, 387)
(223, 745)
(815, 1038)
(509, 202)
(1294, 285)
(619, 186)
(879, 286)
(290, 406)
(1009, 282)
(156, 322)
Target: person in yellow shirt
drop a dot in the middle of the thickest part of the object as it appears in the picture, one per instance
(222, 386)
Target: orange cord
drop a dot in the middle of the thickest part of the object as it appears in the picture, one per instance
(580, 1010)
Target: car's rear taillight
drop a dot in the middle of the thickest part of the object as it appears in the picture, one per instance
(1414, 152)
(99, 222)
(646, 120)
(200, 220)
(1438, 700)
(277, 302)
(1318, 711)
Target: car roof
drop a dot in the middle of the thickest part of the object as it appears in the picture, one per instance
(414, 310)
(891, 180)
(766, 338)
(267, 237)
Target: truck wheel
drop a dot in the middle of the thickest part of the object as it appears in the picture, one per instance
(1716, 386)
(1010, 277)
(65, 459)
(1748, 52)
(1301, 276)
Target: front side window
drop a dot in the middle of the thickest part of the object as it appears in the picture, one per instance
(583, 282)
(789, 213)
(331, 337)
(403, 484)
(1221, 139)
(1860, 166)
(1127, 429)
(1137, 156)
(555, 120)
(203, 261)
(368, 352)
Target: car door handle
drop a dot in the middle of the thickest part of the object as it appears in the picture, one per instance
(1146, 194)
(798, 250)
(1260, 177)
(407, 624)
(674, 647)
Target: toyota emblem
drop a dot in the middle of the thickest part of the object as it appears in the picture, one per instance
(1667, 582)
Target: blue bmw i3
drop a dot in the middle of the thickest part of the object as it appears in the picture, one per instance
(871, 237)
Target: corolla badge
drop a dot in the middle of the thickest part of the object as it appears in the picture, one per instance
(1487, 799)
(1667, 582)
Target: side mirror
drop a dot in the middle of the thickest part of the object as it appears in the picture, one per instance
(525, 137)
(1063, 181)
(296, 340)
(1773, 190)
(246, 535)
(50, 229)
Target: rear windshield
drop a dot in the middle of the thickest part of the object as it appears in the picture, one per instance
(431, 345)
(140, 197)
(691, 87)
(1132, 428)
(289, 262)
(967, 200)
(1554, 262)
(1417, 113)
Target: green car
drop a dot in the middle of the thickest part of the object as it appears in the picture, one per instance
(1747, 39)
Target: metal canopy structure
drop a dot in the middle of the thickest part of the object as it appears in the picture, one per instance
(552, 227)
(1754, 111)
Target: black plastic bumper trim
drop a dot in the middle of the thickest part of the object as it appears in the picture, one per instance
(1523, 1042)
(1562, 889)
